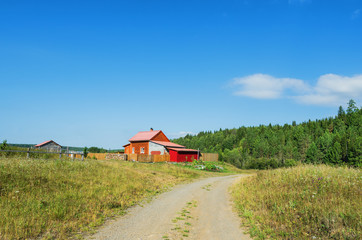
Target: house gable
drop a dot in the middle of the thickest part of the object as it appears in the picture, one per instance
(160, 137)
(49, 146)
(47, 143)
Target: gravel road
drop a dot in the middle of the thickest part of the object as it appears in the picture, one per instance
(199, 210)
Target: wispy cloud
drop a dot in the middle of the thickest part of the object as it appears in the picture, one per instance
(356, 13)
(330, 89)
(267, 87)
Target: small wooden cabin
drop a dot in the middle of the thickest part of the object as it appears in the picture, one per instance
(49, 146)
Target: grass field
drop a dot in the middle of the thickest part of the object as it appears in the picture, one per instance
(304, 202)
(53, 199)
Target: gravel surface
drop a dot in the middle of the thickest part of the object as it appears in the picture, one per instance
(199, 210)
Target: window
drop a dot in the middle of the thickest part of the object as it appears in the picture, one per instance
(142, 150)
(133, 150)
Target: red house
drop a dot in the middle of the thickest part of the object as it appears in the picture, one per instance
(156, 143)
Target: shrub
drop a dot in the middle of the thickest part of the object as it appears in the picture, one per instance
(290, 163)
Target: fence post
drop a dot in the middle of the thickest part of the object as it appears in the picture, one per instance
(28, 153)
(60, 154)
(82, 157)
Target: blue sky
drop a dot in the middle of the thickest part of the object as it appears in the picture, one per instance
(94, 73)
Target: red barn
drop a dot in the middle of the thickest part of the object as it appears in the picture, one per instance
(156, 143)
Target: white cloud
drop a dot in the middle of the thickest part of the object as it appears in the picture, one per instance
(330, 89)
(266, 86)
(356, 13)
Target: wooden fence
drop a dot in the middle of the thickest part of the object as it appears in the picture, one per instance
(210, 157)
(161, 158)
(29, 151)
(148, 158)
(98, 156)
(107, 156)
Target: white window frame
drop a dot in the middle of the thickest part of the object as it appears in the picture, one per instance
(133, 150)
(142, 150)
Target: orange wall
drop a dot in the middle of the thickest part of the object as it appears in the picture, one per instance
(137, 147)
(127, 149)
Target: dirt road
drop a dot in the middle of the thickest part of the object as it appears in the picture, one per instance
(199, 210)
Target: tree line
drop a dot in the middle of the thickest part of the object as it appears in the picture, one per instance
(333, 140)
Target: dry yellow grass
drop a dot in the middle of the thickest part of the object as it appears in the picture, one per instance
(52, 199)
(304, 202)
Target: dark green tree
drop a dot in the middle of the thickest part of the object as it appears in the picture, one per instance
(312, 155)
(96, 150)
(352, 107)
(334, 154)
(341, 114)
(85, 152)
(4, 145)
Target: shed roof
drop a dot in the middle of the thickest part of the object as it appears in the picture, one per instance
(168, 144)
(144, 136)
(183, 150)
(46, 142)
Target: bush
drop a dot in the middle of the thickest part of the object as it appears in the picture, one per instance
(263, 163)
(290, 163)
(208, 166)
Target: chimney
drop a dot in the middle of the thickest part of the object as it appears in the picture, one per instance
(151, 129)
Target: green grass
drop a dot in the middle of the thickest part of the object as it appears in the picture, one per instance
(211, 167)
(179, 228)
(304, 202)
(53, 199)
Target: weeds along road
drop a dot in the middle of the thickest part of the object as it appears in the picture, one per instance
(199, 210)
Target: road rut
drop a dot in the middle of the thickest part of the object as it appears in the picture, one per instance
(208, 215)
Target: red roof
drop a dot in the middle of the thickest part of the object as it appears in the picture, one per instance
(46, 142)
(144, 136)
(168, 144)
(183, 150)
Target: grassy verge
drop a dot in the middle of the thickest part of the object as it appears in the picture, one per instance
(53, 199)
(222, 168)
(304, 202)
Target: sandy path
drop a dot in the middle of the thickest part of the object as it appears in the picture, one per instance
(209, 217)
